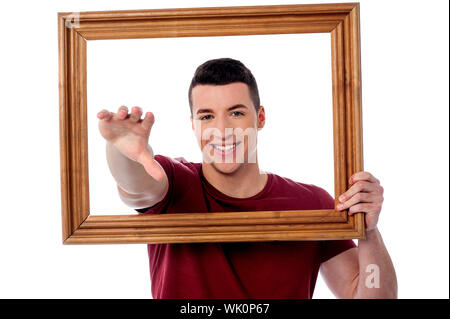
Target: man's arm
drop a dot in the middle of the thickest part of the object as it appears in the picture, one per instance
(366, 271)
(136, 187)
(141, 180)
(362, 272)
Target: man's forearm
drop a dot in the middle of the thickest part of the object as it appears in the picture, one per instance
(377, 278)
(129, 175)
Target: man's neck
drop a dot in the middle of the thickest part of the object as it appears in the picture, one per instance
(245, 182)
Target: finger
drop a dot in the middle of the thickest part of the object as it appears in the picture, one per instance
(357, 198)
(148, 121)
(122, 112)
(104, 115)
(360, 186)
(368, 208)
(136, 113)
(363, 176)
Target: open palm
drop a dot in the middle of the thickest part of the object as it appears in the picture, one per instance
(130, 134)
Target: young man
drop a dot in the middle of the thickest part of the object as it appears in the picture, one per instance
(226, 115)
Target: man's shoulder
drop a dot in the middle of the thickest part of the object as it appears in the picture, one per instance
(177, 162)
(295, 185)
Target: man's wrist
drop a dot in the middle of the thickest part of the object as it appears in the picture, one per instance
(371, 234)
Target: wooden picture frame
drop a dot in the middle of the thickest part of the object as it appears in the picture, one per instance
(74, 29)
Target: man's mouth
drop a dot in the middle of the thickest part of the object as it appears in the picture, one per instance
(225, 148)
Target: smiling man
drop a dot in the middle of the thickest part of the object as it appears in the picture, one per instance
(227, 121)
(226, 116)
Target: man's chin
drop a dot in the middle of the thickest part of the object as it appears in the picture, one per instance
(226, 168)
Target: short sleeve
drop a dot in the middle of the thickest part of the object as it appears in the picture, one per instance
(161, 206)
(330, 248)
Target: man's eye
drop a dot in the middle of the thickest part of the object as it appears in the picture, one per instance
(237, 113)
(206, 117)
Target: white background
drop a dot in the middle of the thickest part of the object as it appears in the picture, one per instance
(405, 120)
(295, 87)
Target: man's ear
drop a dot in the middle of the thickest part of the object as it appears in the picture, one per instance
(261, 117)
(192, 123)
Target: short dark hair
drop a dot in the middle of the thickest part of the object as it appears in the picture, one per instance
(224, 71)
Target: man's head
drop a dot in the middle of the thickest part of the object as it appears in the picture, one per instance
(225, 71)
(226, 113)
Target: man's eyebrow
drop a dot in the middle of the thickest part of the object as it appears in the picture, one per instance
(231, 108)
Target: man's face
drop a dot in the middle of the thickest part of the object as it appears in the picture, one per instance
(226, 124)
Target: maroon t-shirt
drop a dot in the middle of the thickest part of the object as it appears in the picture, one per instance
(273, 269)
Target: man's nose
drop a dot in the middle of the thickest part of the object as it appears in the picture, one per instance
(225, 128)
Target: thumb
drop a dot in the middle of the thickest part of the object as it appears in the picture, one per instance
(152, 167)
(148, 121)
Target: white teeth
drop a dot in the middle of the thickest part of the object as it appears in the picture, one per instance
(226, 148)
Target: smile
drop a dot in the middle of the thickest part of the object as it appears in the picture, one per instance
(225, 148)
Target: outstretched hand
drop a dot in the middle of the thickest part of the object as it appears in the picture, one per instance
(130, 134)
